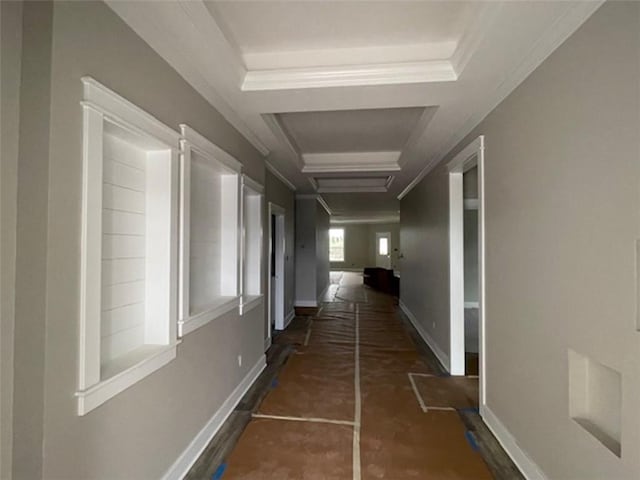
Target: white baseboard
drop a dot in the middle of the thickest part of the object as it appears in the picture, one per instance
(321, 296)
(267, 343)
(528, 467)
(306, 303)
(443, 357)
(184, 462)
(290, 316)
(357, 270)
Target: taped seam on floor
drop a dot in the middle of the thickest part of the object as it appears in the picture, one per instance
(358, 404)
(308, 335)
(217, 475)
(303, 419)
(416, 392)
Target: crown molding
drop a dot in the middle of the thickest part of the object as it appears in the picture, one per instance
(350, 75)
(564, 26)
(163, 29)
(365, 219)
(269, 166)
(282, 136)
(316, 197)
(350, 162)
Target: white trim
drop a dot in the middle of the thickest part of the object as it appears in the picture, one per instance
(113, 106)
(317, 197)
(365, 162)
(527, 466)
(267, 343)
(350, 75)
(547, 43)
(252, 184)
(290, 316)
(280, 250)
(207, 148)
(186, 54)
(472, 155)
(324, 291)
(346, 220)
(249, 302)
(189, 456)
(99, 393)
(443, 357)
(195, 321)
(269, 166)
(190, 142)
(306, 303)
(338, 269)
(471, 304)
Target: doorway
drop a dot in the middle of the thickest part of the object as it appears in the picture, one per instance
(466, 172)
(383, 250)
(275, 278)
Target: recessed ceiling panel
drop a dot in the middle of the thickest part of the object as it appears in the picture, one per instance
(258, 26)
(376, 130)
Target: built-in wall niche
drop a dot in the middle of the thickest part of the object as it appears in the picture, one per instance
(128, 246)
(209, 232)
(595, 399)
(252, 198)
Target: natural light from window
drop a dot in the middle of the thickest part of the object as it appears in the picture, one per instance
(383, 246)
(336, 245)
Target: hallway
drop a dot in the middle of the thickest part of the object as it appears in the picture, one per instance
(357, 400)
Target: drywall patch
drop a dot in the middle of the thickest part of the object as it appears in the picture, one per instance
(595, 399)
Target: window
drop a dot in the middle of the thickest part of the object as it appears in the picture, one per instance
(336, 245)
(209, 232)
(129, 226)
(383, 246)
(252, 245)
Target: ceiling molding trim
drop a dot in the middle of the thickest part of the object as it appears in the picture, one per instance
(474, 34)
(342, 162)
(575, 15)
(353, 189)
(417, 133)
(350, 75)
(370, 219)
(283, 137)
(279, 176)
(313, 183)
(324, 204)
(163, 34)
(314, 196)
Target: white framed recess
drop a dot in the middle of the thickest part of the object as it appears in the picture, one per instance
(209, 232)
(251, 273)
(128, 296)
(471, 156)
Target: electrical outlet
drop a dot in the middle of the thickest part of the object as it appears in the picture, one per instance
(239, 360)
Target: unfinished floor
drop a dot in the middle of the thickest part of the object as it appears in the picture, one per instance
(357, 400)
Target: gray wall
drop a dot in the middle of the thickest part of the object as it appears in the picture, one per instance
(562, 175)
(279, 194)
(305, 251)
(322, 250)
(312, 250)
(140, 432)
(31, 252)
(10, 69)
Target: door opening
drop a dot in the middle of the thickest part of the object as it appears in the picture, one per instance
(276, 317)
(466, 249)
(383, 250)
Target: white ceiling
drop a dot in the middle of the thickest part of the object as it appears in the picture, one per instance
(352, 89)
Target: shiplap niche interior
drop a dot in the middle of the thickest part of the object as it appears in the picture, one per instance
(209, 232)
(129, 246)
(252, 198)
